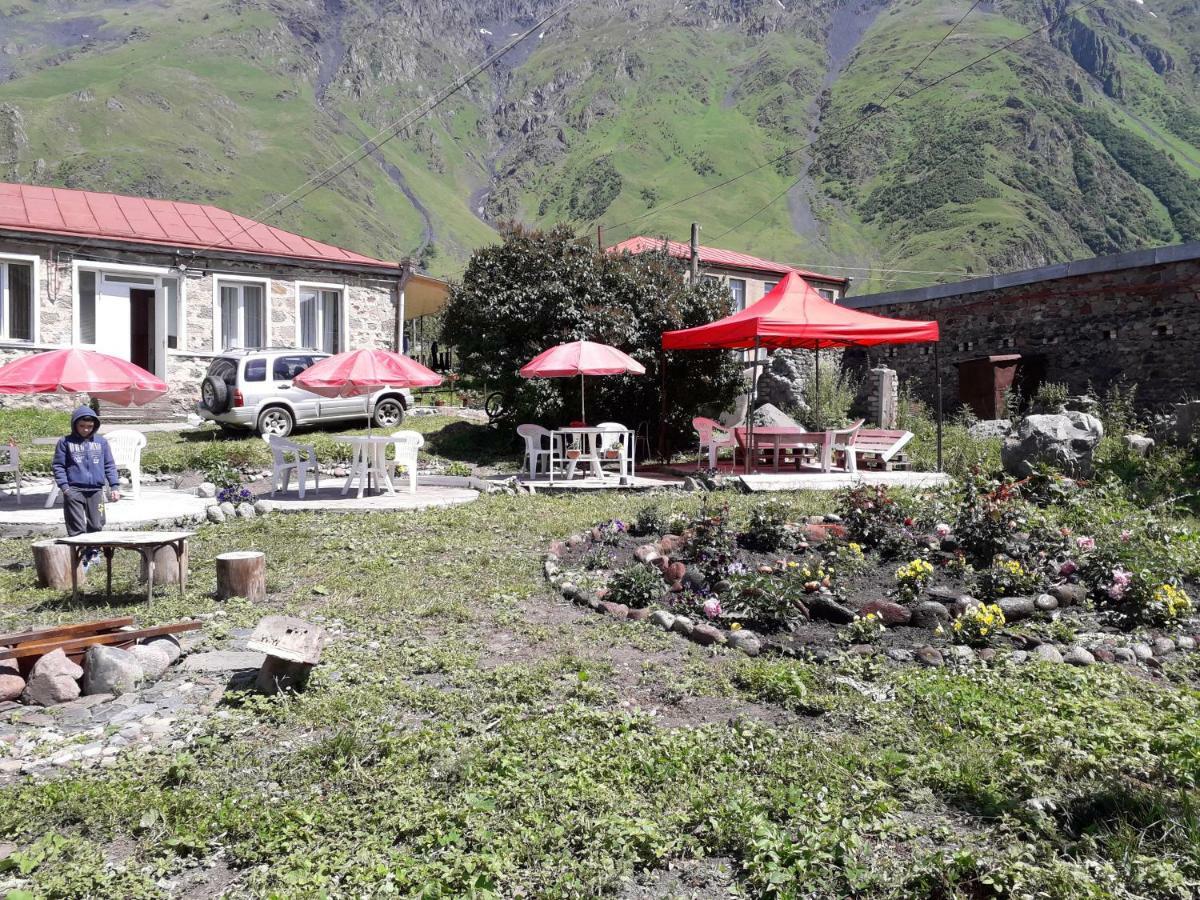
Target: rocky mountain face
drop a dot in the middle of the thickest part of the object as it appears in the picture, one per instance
(1082, 139)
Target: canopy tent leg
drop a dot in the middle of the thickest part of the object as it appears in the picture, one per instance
(751, 397)
(937, 388)
(817, 391)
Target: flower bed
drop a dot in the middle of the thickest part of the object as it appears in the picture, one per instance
(883, 575)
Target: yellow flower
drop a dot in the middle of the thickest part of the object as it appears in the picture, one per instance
(736, 626)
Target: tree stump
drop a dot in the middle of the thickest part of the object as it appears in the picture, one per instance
(166, 566)
(242, 574)
(53, 563)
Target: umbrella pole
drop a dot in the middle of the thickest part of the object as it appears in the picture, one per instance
(582, 402)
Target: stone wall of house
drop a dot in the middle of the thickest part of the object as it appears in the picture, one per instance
(370, 303)
(1085, 330)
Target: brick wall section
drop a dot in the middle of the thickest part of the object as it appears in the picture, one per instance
(1141, 323)
(370, 300)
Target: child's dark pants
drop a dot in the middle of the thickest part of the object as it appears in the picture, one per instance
(84, 510)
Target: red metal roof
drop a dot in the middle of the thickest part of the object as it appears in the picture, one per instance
(715, 256)
(162, 223)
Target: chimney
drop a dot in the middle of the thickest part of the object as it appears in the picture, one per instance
(695, 269)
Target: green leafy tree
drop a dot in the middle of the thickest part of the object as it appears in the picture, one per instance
(536, 289)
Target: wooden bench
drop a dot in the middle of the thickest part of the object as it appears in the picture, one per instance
(881, 449)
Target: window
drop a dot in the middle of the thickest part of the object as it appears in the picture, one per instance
(769, 286)
(288, 367)
(87, 307)
(243, 316)
(256, 370)
(320, 319)
(737, 289)
(829, 295)
(170, 288)
(16, 301)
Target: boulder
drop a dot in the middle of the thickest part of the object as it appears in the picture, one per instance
(1124, 655)
(662, 619)
(153, 660)
(930, 656)
(228, 509)
(245, 510)
(638, 614)
(745, 641)
(1077, 656)
(1017, 608)
(990, 428)
(670, 544)
(929, 614)
(215, 514)
(206, 489)
(1139, 444)
(1068, 594)
(682, 625)
(52, 680)
(782, 383)
(1065, 441)
(770, 416)
(616, 610)
(262, 507)
(829, 610)
(707, 635)
(1045, 602)
(1047, 653)
(12, 685)
(109, 670)
(890, 613)
(646, 553)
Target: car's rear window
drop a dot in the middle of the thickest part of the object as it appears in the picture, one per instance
(288, 367)
(225, 369)
(256, 369)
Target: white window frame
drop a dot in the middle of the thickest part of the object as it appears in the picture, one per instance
(35, 262)
(219, 279)
(343, 311)
(729, 280)
(156, 272)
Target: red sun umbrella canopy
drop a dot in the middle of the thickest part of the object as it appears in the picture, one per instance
(359, 372)
(581, 358)
(794, 315)
(108, 378)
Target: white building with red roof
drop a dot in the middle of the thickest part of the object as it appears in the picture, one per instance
(170, 285)
(749, 278)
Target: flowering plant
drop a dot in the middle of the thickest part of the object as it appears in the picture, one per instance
(1007, 578)
(863, 630)
(235, 495)
(612, 531)
(978, 623)
(913, 577)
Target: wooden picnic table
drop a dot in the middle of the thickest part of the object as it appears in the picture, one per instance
(147, 543)
(777, 439)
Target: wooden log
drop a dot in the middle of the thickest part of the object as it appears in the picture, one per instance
(242, 574)
(53, 563)
(166, 566)
(80, 629)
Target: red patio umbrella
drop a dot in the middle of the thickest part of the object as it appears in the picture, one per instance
(358, 372)
(581, 358)
(108, 378)
(794, 315)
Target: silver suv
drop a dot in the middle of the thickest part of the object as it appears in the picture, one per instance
(253, 389)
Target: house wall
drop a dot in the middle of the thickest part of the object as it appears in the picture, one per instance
(756, 283)
(368, 318)
(1089, 329)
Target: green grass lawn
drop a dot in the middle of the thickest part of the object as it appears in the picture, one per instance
(495, 741)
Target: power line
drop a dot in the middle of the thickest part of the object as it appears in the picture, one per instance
(882, 109)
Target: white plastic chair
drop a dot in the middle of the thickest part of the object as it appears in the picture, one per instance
(535, 449)
(288, 457)
(405, 445)
(13, 467)
(713, 436)
(613, 445)
(843, 440)
(127, 446)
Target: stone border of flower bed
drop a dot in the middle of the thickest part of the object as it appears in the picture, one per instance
(1148, 653)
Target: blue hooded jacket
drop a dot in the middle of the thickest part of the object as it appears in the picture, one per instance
(84, 463)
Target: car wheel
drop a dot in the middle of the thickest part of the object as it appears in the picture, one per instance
(214, 394)
(276, 421)
(389, 412)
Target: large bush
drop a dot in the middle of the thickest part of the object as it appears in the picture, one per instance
(536, 289)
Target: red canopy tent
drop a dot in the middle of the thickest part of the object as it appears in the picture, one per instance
(793, 315)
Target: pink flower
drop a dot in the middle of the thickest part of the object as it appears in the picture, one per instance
(712, 608)
(1120, 583)
(1085, 543)
(941, 529)
(1126, 536)
(1068, 568)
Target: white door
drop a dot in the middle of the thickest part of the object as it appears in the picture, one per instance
(112, 318)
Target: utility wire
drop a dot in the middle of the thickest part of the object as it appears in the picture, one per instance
(882, 109)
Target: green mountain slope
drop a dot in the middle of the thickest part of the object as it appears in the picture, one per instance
(1083, 139)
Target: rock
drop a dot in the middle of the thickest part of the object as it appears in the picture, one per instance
(215, 514)
(1047, 653)
(1143, 652)
(745, 641)
(1124, 655)
(819, 532)
(1163, 646)
(1065, 441)
(990, 428)
(206, 489)
(890, 613)
(706, 635)
(1045, 602)
(52, 680)
(769, 415)
(153, 660)
(280, 675)
(1077, 656)
(646, 553)
(1017, 608)
(108, 670)
(12, 685)
(245, 510)
(722, 587)
(986, 654)
(639, 615)
(691, 485)
(944, 595)
(670, 544)
(1068, 594)
(1183, 642)
(899, 654)
(929, 614)
(782, 383)
(1103, 654)
(1187, 418)
(228, 509)
(222, 661)
(167, 644)
(962, 606)
(1138, 444)
(262, 507)
(682, 625)
(662, 619)
(829, 610)
(616, 610)
(962, 653)
(694, 580)
(1019, 656)
(675, 572)
(930, 656)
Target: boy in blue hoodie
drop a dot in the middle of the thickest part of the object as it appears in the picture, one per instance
(83, 466)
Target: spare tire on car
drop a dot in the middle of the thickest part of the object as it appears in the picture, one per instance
(214, 394)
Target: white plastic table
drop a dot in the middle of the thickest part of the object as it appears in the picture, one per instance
(370, 458)
(587, 441)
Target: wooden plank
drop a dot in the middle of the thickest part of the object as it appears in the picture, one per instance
(115, 637)
(65, 631)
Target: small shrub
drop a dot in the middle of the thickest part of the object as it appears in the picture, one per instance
(637, 586)
(767, 531)
(1007, 578)
(863, 630)
(612, 531)
(222, 474)
(649, 520)
(875, 519)
(1051, 397)
(711, 542)
(990, 515)
(235, 495)
(769, 601)
(976, 626)
(912, 578)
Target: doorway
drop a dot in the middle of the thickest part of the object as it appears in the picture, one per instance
(141, 328)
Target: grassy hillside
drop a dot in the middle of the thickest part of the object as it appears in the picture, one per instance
(1079, 141)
